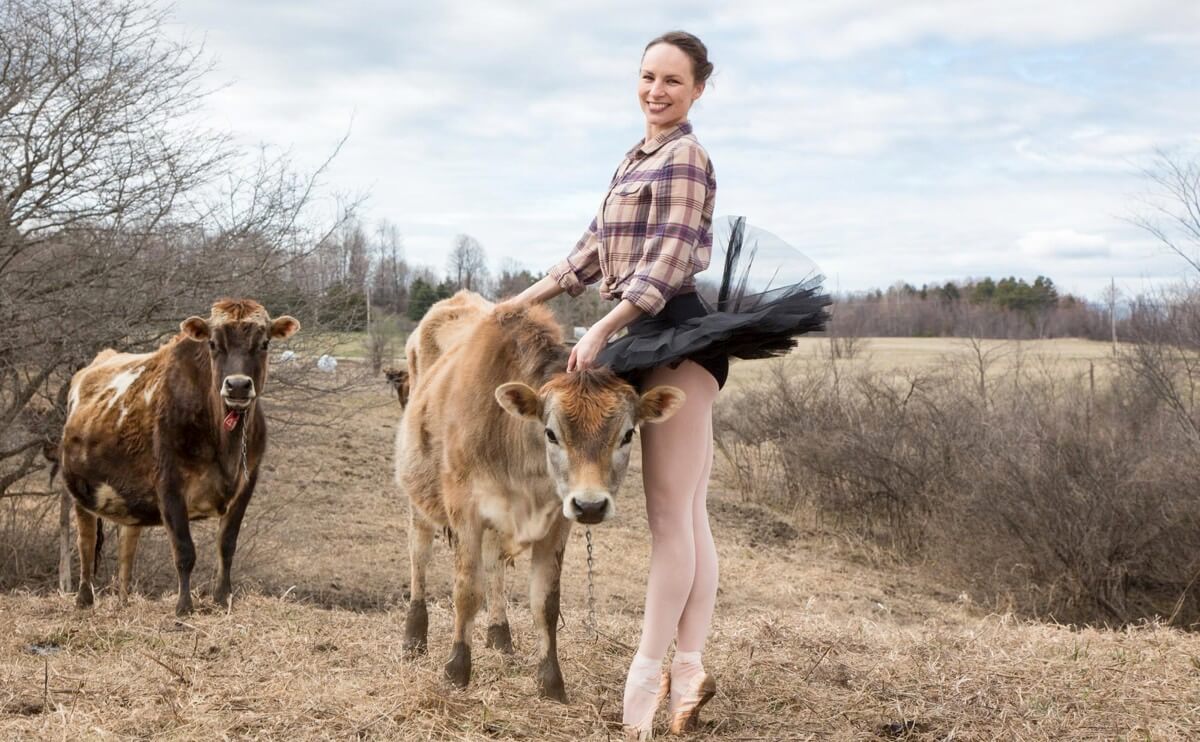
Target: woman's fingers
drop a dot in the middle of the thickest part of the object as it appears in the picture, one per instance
(571, 359)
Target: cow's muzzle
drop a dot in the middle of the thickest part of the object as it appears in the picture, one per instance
(589, 508)
(237, 391)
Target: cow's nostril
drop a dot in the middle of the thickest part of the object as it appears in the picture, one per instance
(239, 386)
(589, 509)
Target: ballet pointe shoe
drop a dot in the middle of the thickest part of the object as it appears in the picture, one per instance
(686, 718)
(644, 729)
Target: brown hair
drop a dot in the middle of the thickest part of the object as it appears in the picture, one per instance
(690, 45)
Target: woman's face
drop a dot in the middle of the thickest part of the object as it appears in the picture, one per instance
(667, 87)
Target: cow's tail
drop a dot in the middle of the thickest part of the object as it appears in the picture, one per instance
(50, 452)
(99, 546)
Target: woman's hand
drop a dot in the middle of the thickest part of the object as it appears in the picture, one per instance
(583, 355)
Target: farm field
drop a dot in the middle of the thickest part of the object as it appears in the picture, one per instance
(814, 638)
(902, 357)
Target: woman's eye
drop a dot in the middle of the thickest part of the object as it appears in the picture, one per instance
(628, 438)
(551, 437)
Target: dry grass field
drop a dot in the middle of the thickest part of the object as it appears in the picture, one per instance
(904, 356)
(815, 637)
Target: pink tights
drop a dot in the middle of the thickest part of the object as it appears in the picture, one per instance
(682, 589)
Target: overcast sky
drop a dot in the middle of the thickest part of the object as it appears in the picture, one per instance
(886, 140)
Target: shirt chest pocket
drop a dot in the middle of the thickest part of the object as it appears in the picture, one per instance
(628, 202)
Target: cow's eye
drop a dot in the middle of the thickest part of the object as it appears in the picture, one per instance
(628, 438)
(550, 436)
(266, 344)
(212, 345)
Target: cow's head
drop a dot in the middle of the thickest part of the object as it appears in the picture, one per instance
(400, 381)
(588, 419)
(238, 334)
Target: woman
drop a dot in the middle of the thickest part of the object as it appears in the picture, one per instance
(650, 237)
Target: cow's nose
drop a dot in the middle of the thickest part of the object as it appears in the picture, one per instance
(239, 387)
(589, 511)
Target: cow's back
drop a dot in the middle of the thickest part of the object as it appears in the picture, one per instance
(445, 325)
(452, 423)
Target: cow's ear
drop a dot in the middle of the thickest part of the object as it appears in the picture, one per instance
(519, 400)
(284, 327)
(195, 328)
(659, 404)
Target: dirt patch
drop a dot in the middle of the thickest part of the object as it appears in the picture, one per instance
(755, 525)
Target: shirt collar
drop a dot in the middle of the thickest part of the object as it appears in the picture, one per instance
(681, 129)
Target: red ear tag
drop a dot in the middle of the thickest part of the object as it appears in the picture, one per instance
(231, 420)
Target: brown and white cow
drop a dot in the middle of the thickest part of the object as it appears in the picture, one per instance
(171, 436)
(501, 446)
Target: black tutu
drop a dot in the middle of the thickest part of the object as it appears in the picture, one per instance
(750, 318)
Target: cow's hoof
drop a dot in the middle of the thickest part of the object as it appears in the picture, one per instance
(500, 637)
(458, 669)
(550, 681)
(183, 607)
(223, 599)
(84, 598)
(416, 628)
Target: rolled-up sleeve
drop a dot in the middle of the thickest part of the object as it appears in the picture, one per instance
(677, 212)
(582, 264)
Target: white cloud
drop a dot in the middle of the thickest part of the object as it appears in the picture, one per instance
(901, 140)
(1063, 244)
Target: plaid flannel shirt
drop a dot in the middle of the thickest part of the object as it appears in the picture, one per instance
(653, 231)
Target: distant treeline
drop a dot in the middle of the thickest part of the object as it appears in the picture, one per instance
(996, 308)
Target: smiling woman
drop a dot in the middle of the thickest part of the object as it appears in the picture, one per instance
(651, 235)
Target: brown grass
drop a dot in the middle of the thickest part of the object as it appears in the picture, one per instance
(814, 638)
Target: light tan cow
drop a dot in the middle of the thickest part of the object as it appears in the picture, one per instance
(496, 438)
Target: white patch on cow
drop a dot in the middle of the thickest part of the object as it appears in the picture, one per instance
(121, 383)
(148, 395)
(108, 500)
(73, 399)
(121, 417)
(518, 515)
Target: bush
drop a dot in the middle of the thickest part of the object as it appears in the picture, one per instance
(1030, 489)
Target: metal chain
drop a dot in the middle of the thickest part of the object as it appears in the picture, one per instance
(591, 588)
(244, 464)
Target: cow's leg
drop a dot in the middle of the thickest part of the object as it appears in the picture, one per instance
(545, 569)
(175, 518)
(468, 592)
(420, 547)
(227, 536)
(499, 635)
(129, 536)
(85, 529)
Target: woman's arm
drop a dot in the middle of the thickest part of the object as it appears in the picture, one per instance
(583, 355)
(544, 290)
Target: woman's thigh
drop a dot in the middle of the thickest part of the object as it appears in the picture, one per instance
(673, 451)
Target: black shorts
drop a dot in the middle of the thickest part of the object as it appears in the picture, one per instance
(678, 309)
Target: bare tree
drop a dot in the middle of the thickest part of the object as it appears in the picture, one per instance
(467, 264)
(118, 215)
(391, 272)
(1172, 214)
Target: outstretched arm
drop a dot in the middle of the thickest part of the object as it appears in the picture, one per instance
(544, 290)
